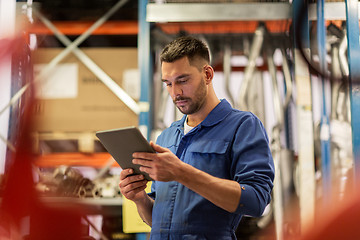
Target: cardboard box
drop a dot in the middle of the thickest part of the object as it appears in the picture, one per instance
(84, 104)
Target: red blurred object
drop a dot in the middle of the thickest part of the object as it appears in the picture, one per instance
(340, 221)
(20, 201)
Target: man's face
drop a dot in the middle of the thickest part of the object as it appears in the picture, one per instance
(185, 84)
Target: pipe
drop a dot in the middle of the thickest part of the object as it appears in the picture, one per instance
(250, 68)
(288, 81)
(227, 71)
(276, 95)
(342, 55)
(335, 84)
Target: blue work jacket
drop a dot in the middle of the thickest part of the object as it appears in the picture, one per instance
(228, 144)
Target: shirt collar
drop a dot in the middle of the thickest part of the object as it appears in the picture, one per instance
(215, 116)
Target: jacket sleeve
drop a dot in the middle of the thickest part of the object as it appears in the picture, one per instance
(252, 166)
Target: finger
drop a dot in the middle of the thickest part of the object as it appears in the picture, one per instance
(126, 172)
(134, 187)
(145, 169)
(131, 194)
(144, 155)
(142, 162)
(130, 180)
(158, 148)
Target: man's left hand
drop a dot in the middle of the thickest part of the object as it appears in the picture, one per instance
(161, 166)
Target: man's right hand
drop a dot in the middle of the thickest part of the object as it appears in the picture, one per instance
(132, 187)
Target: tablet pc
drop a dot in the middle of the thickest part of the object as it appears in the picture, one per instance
(122, 143)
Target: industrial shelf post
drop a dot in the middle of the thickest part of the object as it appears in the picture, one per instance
(325, 120)
(352, 25)
(145, 68)
(304, 117)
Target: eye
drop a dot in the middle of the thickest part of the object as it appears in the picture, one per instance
(182, 81)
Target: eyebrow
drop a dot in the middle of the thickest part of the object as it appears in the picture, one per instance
(178, 77)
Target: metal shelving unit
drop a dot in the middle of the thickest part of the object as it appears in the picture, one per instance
(85, 29)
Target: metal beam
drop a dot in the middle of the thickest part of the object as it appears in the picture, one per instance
(332, 11)
(79, 27)
(192, 12)
(264, 11)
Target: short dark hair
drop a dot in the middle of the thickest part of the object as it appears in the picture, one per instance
(186, 46)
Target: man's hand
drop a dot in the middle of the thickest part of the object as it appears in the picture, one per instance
(161, 166)
(166, 166)
(132, 187)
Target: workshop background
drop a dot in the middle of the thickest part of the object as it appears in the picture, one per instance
(71, 68)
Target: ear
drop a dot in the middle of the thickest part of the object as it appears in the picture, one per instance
(209, 73)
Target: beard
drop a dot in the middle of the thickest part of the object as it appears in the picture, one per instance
(195, 103)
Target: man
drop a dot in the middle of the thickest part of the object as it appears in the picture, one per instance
(211, 167)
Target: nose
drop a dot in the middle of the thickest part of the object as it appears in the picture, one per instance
(175, 91)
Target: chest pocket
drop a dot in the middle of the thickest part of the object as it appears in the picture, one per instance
(209, 156)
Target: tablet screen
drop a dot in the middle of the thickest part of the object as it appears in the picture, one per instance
(122, 143)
